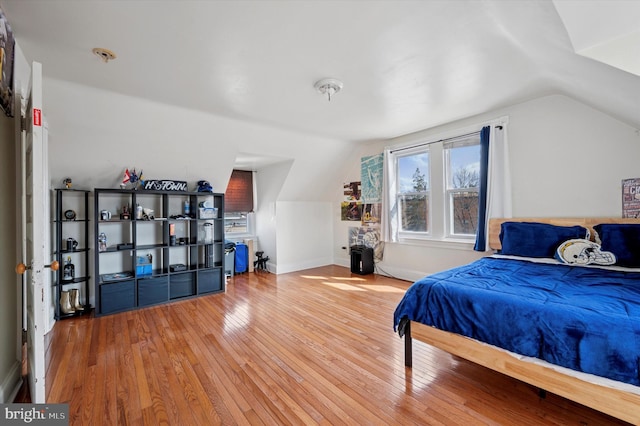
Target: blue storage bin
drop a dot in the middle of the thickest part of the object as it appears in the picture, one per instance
(143, 266)
(143, 270)
(242, 258)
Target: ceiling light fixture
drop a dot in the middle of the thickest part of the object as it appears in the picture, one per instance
(105, 54)
(328, 86)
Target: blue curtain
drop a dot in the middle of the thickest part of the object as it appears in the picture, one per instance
(481, 234)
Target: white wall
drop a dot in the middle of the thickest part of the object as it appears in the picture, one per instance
(567, 159)
(269, 181)
(304, 232)
(94, 135)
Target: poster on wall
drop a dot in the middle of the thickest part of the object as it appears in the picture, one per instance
(371, 174)
(371, 214)
(351, 211)
(351, 206)
(631, 198)
(352, 191)
(6, 66)
(368, 237)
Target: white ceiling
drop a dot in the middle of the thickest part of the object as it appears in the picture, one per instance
(406, 65)
(605, 31)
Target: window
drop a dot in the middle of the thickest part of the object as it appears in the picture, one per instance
(413, 191)
(238, 203)
(462, 165)
(434, 193)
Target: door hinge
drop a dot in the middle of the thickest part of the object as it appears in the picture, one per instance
(23, 124)
(24, 336)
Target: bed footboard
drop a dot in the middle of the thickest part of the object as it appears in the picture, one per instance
(615, 402)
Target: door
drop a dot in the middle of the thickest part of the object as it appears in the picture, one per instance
(35, 232)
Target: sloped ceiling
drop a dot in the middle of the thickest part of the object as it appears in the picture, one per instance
(406, 65)
(608, 32)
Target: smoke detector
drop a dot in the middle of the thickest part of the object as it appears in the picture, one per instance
(105, 54)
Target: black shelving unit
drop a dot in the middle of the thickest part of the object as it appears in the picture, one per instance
(157, 253)
(72, 221)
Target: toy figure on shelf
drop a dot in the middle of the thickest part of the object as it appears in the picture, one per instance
(132, 178)
(67, 183)
(204, 186)
(102, 242)
(125, 215)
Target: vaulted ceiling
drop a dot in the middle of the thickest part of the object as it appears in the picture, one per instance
(405, 65)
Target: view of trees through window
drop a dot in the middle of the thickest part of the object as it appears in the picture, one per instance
(463, 179)
(462, 187)
(465, 201)
(413, 195)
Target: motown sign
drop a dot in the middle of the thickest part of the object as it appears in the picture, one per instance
(165, 185)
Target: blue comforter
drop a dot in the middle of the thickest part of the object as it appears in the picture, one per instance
(586, 319)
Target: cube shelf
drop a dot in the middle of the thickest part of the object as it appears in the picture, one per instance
(71, 242)
(151, 248)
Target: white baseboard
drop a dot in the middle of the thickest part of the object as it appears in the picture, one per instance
(380, 268)
(386, 270)
(292, 267)
(11, 384)
(400, 273)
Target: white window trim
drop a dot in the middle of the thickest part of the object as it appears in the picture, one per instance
(449, 191)
(251, 216)
(449, 243)
(449, 211)
(250, 233)
(412, 234)
(444, 239)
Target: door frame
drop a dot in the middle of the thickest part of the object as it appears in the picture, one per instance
(37, 279)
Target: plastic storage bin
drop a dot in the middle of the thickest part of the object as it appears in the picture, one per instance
(229, 262)
(143, 266)
(208, 212)
(242, 258)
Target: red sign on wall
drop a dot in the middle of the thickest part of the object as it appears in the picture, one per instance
(37, 117)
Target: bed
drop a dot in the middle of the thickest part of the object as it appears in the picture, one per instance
(573, 329)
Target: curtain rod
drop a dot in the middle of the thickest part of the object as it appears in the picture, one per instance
(440, 140)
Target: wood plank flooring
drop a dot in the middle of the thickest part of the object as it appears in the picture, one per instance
(311, 347)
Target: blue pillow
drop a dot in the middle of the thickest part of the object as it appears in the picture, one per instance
(533, 239)
(623, 240)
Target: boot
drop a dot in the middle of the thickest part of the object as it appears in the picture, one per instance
(75, 300)
(65, 303)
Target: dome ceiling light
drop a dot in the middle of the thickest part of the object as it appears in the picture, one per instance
(328, 86)
(105, 54)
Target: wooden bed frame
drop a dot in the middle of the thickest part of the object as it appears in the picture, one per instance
(615, 402)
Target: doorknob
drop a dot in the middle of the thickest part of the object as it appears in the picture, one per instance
(21, 267)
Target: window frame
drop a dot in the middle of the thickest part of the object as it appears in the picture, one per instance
(405, 233)
(249, 215)
(440, 220)
(449, 190)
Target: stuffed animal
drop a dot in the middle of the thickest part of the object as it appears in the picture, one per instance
(583, 252)
(204, 186)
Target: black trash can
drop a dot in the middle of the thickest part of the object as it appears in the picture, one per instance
(361, 260)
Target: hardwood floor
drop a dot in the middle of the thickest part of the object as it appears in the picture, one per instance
(312, 347)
